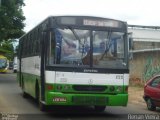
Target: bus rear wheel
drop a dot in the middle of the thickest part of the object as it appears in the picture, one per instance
(99, 108)
(24, 94)
(42, 107)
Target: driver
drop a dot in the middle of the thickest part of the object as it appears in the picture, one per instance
(68, 48)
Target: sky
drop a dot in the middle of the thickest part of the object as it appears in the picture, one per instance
(134, 12)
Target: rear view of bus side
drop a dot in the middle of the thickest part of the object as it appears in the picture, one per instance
(75, 60)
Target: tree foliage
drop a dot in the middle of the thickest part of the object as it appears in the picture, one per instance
(7, 49)
(11, 19)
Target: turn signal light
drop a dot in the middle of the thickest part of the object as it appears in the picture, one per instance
(49, 87)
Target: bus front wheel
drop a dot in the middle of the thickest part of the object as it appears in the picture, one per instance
(24, 94)
(42, 107)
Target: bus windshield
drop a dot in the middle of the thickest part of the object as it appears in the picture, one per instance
(108, 49)
(85, 47)
(3, 63)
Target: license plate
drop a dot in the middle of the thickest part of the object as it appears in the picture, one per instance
(90, 100)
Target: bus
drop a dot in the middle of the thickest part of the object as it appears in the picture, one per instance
(74, 61)
(4, 64)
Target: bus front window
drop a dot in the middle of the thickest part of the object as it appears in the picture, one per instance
(108, 49)
(73, 46)
(3, 63)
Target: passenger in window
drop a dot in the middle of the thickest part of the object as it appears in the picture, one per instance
(68, 49)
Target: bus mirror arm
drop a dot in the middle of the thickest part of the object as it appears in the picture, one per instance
(130, 41)
(130, 45)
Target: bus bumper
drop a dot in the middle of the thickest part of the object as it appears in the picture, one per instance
(55, 98)
(3, 70)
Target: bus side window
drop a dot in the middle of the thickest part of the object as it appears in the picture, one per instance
(31, 44)
(35, 40)
(21, 47)
(25, 47)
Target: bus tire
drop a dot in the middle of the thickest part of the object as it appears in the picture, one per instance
(99, 108)
(41, 106)
(24, 94)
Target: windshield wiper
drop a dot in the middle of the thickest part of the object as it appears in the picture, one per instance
(77, 37)
(75, 34)
(107, 45)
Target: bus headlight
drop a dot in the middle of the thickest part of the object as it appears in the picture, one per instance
(59, 87)
(66, 87)
(111, 88)
(119, 88)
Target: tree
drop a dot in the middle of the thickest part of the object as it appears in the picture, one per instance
(11, 19)
(6, 47)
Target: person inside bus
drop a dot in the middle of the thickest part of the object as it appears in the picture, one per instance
(68, 51)
(68, 48)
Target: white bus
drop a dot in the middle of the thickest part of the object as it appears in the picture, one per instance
(75, 60)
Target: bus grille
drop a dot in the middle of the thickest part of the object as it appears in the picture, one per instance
(89, 88)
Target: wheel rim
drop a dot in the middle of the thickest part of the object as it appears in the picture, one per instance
(149, 103)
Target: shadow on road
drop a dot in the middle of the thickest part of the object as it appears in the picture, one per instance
(72, 112)
(80, 112)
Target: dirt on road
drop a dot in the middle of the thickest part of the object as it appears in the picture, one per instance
(136, 95)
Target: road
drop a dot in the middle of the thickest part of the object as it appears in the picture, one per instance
(13, 105)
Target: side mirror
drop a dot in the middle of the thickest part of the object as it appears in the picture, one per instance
(130, 43)
(130, 40)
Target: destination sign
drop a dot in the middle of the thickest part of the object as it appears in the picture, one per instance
(90, 21)
(101, 23)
